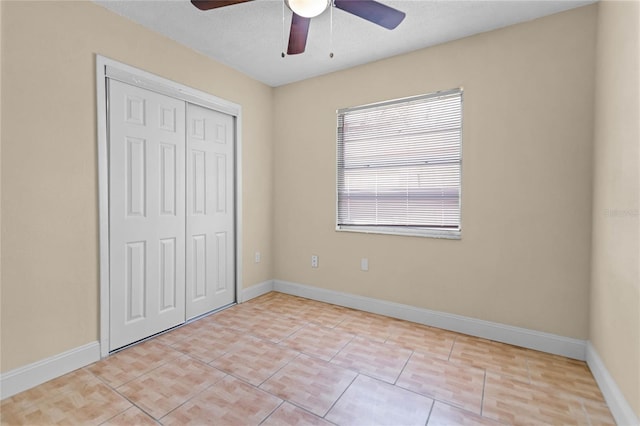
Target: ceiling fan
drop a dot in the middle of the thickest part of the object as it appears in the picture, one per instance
(304, 10)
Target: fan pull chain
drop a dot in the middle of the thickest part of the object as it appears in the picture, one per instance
(331, 5)
(283, 30)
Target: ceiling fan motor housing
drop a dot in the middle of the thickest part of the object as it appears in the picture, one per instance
(307, 8)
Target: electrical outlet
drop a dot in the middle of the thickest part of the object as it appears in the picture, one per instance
(364, 264)
(258, 257)
(314, 261)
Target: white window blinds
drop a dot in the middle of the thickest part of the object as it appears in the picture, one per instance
(399, 163)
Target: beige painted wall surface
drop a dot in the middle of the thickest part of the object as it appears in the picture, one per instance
(615, 286)
(49, 164)
(524, 255)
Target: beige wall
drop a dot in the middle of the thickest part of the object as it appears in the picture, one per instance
(526, 207)
(615, 285)
(49, 173)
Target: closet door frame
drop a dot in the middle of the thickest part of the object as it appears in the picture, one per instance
(110, 69)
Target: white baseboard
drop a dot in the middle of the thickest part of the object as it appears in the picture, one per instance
(537, 340)
(620, 408)
(256, 290)
(23, 378)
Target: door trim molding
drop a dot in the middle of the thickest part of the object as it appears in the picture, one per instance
(109, 68)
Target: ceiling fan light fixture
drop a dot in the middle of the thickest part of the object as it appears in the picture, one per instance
(307, 8)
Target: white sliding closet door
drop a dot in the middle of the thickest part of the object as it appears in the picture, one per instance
(210, 210)
(171, 212)
(146, 213)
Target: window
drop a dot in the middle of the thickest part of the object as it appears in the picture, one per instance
(399, 166)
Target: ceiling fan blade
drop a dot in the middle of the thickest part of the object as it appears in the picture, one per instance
(214, 4)
(298, 34)
(372, 11)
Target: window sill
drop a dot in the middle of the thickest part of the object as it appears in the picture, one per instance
(448, 234)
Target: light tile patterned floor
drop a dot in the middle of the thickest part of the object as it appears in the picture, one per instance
(285, 360)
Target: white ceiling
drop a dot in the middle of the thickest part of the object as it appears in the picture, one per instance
(249, 37)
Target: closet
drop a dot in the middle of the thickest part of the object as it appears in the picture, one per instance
(171, 205)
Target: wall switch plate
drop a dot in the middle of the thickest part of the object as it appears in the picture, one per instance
(364, 264)
(314, 261)
(258, 257)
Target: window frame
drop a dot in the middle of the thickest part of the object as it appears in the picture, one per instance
(402, 230)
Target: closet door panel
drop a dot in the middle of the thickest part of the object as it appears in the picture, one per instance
(146, 213)
(210, 210)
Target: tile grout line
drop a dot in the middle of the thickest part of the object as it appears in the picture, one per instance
(188, 399)
(277, 371)
(455, 340)
(433, 406)
(402, 369)
(118, 414)
(484, 385)
(133, 404)
(282, 401)
(133, 378)
(340, 396)
(341, 349)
